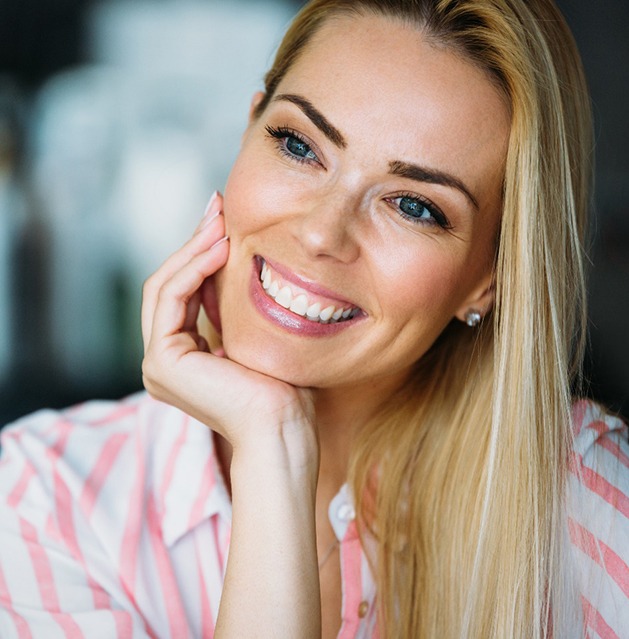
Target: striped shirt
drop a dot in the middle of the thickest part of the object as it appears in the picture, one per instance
(115, 522)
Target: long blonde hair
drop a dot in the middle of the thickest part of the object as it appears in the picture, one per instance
(462, 477)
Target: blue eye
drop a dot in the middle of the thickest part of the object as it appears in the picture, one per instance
(299, 148)
(420, 211)
(292, 145)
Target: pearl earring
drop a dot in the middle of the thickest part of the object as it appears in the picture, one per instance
(473, 318)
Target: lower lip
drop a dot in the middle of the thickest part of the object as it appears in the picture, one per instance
(283, 318)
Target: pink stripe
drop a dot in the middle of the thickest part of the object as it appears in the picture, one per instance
(41, 566)
(64, 505)
(98, 476)
(222, 545)
(68, 625)
(578, 414)
(601, 553)
(614, 448)
(124, 624)
(601, 428)
(15, 496)
(351, 559)
(64, 509)
(172, 599)
(594, 620)
(599, 485)
(208, 482)
(128, 561)
(21, 625)
(133, 527)
(57, 450)
(169, 470)
(119, 413)
(45, 581)
(207, 620)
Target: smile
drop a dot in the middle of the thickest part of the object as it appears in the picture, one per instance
(316, 309)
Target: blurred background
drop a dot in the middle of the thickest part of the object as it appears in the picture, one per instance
(118, 119)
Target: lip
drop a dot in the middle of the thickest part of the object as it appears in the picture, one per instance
(284, 318)
(309, 285)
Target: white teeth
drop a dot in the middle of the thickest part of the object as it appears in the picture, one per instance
(266, 280)
(284, 297)
(299, 305)
(326, 313)
(313, 311)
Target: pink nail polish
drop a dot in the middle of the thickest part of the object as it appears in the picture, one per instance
(223, 239)
(208, 219)
(209, 204)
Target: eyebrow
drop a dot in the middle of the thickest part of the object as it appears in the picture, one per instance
(401, 169)
(316, 117)
(430, 176)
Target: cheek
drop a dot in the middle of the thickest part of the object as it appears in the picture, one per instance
(255, 194)
(244, 200)
(426, 284)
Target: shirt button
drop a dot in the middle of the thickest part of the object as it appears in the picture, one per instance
(345, 512)
(363, 608)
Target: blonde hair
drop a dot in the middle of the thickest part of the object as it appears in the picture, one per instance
(462, 477)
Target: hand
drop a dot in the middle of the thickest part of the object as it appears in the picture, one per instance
(242, 405)
(270, 426)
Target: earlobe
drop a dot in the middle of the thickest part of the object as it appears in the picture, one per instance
(478, 304)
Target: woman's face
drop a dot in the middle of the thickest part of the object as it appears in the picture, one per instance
(369, 186)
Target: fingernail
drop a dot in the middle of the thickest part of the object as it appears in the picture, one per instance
(207, 219)
(223, 239)
(209, 213)
(208, 208)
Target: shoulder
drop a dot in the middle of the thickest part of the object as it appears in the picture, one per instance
(599, 463)
(99, 460)
(74, 443)
(82, 491)
(598, 512)
(593, 426)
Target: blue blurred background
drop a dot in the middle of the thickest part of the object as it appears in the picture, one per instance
(117, 121)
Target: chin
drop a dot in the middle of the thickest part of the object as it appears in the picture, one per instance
(271, 362)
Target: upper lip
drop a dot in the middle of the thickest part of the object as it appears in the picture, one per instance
(307, 284)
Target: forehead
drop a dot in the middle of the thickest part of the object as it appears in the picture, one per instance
(379, 79)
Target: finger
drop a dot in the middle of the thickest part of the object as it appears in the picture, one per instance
(212, 209)
(171, 311)
(213, 231)
(209, 301)
(210, 230)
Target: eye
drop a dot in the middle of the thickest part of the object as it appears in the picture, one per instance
(420, 211)
(292, 145)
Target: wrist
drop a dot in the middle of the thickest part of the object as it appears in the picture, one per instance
(276, 460)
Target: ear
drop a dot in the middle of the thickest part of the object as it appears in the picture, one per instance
(481, 299)
(258, 96)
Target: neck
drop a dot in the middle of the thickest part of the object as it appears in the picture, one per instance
(341, 413)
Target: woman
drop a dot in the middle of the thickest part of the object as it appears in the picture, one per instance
(395, 280)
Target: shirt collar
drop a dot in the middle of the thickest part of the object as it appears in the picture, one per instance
(197, 491)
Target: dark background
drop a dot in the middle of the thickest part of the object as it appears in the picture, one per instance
(40, 38)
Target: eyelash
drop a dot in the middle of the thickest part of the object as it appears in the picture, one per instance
(438, 218)
(279, 136)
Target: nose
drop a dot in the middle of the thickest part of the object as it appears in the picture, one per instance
(329, 228)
